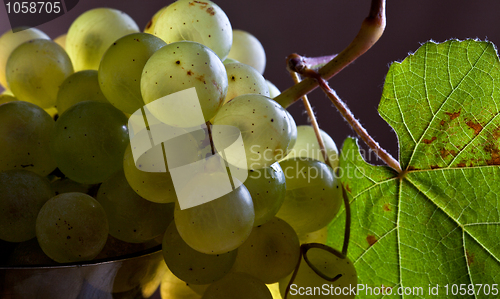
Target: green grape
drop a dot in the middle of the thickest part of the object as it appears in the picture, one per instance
(293, 134)
(264, 126)
(61, 40)
(273, 90)
(230, 60)
(179, 66)
(121, 69)
(267, 188)
(93, 32)
(274, 288)
(153, 186)
(193, 266)
(307, 146)
(89, 141)
(203, 22)
(237, 285)
(173, 288)
(270, 253)
(22, 194)
(220, 225)
(72, 227)
(6, 98)
(150, 26)
(199, 288)
(78, 87)
(9, 41)
(319, 236)
(132, 218)
(25, 133)
(308, 283)
(244, 79)
(65, 185)
(36, 69)
(247, 49)
(313, 194)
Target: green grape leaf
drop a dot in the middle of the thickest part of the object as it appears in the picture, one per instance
(438, 222)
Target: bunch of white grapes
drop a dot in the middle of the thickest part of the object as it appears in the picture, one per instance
(69, 180)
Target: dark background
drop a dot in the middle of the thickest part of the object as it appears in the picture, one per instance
(321, 27)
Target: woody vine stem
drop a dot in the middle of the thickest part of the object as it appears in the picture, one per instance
(371, 29)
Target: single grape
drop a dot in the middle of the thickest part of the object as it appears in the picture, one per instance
(313, 194)
(230, 60)
(22, 194)
(132, 218)
(237, 285)
(150, 26)
(247, 49)
(244, 79)
(329, 264)
(273, 90)
(177, 67)
(270, 253)
(267, 188)
(203, 22)
(307, 146)
(264, 126)
(121, 69)
(78, 87)
(274, 288)
(193, 266)
(25, 133)
(72, 227)
(93, 32)
(220, 225)
(89, 141)
(36, 69)
(293, 133)
(173, 288)
(6, 98)
(61, 40)
(153, 186)
(199, 288)
(9, 41)
(319, 236)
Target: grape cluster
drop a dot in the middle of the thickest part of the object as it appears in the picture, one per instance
(70, 176)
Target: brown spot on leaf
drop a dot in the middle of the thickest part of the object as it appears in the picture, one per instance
(434, 166)
(462, 164)
(371, 240)
(387, 207)
(410, 168)
(445, 153)
(495, 154)
(427, 141)
(470, 257)
(454, 114)
(442, 122)
(477, 127)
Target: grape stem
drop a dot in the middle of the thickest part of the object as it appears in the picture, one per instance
(312, 120)
(371, 29)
